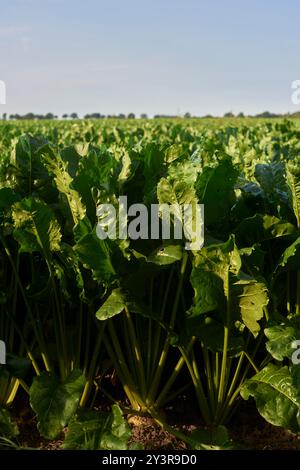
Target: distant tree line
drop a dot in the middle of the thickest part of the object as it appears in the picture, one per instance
(113, 116)
(265, 114)
(187, 115)
(33, 116)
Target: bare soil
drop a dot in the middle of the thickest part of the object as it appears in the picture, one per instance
(247, 429)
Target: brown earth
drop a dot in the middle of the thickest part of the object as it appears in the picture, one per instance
(247, 428)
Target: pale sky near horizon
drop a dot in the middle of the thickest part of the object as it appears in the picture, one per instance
(154, 56)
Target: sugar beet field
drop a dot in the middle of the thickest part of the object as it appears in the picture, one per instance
(138, 342)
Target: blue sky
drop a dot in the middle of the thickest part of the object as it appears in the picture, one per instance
(158, 56)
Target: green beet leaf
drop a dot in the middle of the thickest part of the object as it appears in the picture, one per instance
(36, 228)
(116, 303)
(215, 439)
(55, 402)
(92, 430)
(249, 299)
(261, 227)
(290, 258)
(63, 180)
(293, 181)
(281, 338)
(8, 428)
(94, 255)
(215, 189)
(277, 399)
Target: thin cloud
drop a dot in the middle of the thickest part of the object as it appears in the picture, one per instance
(109, 67)
(9, 31)
(20, 34)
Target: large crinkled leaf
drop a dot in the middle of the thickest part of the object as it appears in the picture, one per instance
(249, 298)
(116, 303)
(173, 152)
(261, 227)
(177, 190)
(55, 402)
(152, 163)
(208, 292)
(211, 334)
(215, 189)
(293, 181)
(212, 267)
(281, 338)
(92, 430)
(277, 400)
(165, 255)
(95, 180)
(8, 428)
(283, 342)
(71, 156)
(220, 259)
(93, 254)
(271, 177)
(126, 169)
(63, 181)
(36, 228)
(215, 439)
(28, 167)
(23, 154)
(68, 269)
(220, 285)
(83, 228)
(166, 193)
(290, 258)
(178, 186)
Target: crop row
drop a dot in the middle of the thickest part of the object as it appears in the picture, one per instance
(218, 324)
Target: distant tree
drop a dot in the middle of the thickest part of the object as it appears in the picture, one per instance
(267, 114)
(241, 115)
(93, 116)
(4, 116)
(131, 116)
(228, 115)
(164, 116)
(74, 116)
(121, 116)
(187, 116)
(49, 116)
(65, 116)
(144, 116)
(29, 116)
